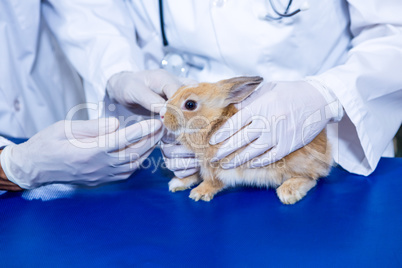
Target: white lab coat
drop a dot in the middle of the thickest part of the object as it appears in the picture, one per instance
(352, 47)
(36, 88)
(37, 84)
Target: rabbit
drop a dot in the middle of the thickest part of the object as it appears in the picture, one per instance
(195, 113)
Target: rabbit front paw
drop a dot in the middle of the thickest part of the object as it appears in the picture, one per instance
(177, 184)
(197, 195)
(294, 189)
(206, 190)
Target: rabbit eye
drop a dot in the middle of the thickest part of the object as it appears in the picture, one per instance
(190, 105)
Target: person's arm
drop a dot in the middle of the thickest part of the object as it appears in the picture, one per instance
(368, 85)
(98, 38)
(85, 152)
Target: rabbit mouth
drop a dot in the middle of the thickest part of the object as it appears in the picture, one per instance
(181, 130)
(176, 132)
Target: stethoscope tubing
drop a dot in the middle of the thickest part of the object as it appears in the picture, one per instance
(162, 22)
(280, 16)
(182, 68)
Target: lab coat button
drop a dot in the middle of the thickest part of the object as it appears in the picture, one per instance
(17, 105)
(219, 3)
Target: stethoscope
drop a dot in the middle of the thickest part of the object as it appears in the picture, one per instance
(172, 62)
(176, 64)
(286, 13)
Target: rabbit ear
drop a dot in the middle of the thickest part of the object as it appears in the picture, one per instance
(241, 87)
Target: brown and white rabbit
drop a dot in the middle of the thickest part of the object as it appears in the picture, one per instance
(196, 113)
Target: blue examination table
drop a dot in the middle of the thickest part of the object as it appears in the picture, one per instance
(346, 221)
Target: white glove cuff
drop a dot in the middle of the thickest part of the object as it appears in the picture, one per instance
(4, 141)
(334, 109)
(7, 167)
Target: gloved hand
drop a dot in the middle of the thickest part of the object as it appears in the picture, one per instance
(80, 152)
(178, 158)
(145, 88)
(282, 116)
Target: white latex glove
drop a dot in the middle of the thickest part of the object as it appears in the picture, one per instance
(282, 116)
(148, 89)
(80, 152)
(178, 158)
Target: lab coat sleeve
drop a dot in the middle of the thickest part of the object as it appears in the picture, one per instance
(4, 142)
(98, 38)
(368, 85)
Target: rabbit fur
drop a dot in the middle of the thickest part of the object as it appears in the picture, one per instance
(292, 176)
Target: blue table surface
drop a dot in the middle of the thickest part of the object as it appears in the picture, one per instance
(346, 221)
